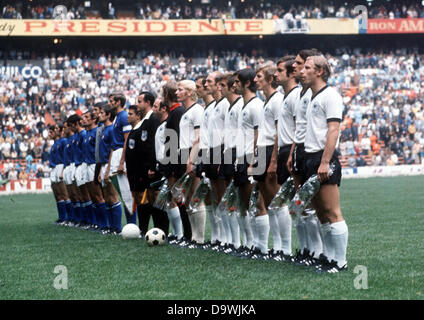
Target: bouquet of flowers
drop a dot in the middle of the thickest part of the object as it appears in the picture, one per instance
(199, 194)
(163, 197)
(305, 194)
(252, 211)
(286, 193)
(230, 201)
(181, 188)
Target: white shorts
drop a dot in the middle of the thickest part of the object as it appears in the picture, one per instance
(80, 174)
(69, 174)
(55, 173)
(114, 161)
(89, 173)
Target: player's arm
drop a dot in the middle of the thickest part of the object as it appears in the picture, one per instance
(330, 146)
(194, 152)
(122, 161)
(107, 172)
(272, 168)
(255, 141)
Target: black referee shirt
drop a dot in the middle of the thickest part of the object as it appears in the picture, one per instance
(140, 156)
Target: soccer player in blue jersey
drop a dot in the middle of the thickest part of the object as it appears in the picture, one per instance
(94, 189)
(86, 211)
(111, 197)
(56, 163)
(116, 166)
(68, 174)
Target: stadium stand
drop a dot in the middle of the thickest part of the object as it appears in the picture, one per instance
(183, 9)
(382, 90)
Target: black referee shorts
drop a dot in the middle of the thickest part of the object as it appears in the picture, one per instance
(313, 161)
(140, 181)
(282, 172)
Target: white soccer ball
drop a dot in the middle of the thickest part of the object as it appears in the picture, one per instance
(155, 237)
(130, 231)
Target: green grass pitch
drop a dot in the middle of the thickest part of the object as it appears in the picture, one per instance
(385, 217)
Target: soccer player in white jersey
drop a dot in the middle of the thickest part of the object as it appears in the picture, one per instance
(204, 161)
(250, 123)
(324, 114)
(307, 228)
(227, 88)
(268, 143)
(216, 148)
(189, 148)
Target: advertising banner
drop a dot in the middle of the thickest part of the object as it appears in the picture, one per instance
(384, 26)
(136, 27)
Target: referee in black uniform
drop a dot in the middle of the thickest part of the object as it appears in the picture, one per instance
(140, 157)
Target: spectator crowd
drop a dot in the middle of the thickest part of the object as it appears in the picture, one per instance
(383, 96)
(236, 9)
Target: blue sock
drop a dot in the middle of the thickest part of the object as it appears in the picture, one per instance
(108, 219)
(93, 213)
(61, 209)
(116, 224)
(130, 218)
(85, 218)
(69, 210)
(101, 215)
(77, 211)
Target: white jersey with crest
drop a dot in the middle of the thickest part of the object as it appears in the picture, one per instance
(301, 120)
(204, 132)
(216, 123)
(287, 118)
(231, 124)
(325, 106)
(272, 107)
(251, 117)
(190, 121)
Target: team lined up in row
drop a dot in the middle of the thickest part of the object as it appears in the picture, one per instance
(233, 136)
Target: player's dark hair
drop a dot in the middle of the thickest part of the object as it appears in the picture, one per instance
(148, 97)
(134, 108)
(247, 75)
(288, 62)
(121, 98)
(73, 119)
(305, 53)
(170, 91)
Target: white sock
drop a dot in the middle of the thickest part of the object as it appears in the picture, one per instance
(227, 229)
(235, 232)
(212, 223)
(249, 231)
(339, 235)
(198, 222)
(301, 234)
(313, 235)
(262, 233)
(285, 222)
(175, 220)
(222, 236)
(242, 228)
(327, 246)
(252, 223)
(275, 230)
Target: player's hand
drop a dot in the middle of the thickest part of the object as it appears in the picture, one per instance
(272, 169)
(289, 164)
(323, 172)
(190, 169)
(250, 170)
(151, 174)
(121, 168)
